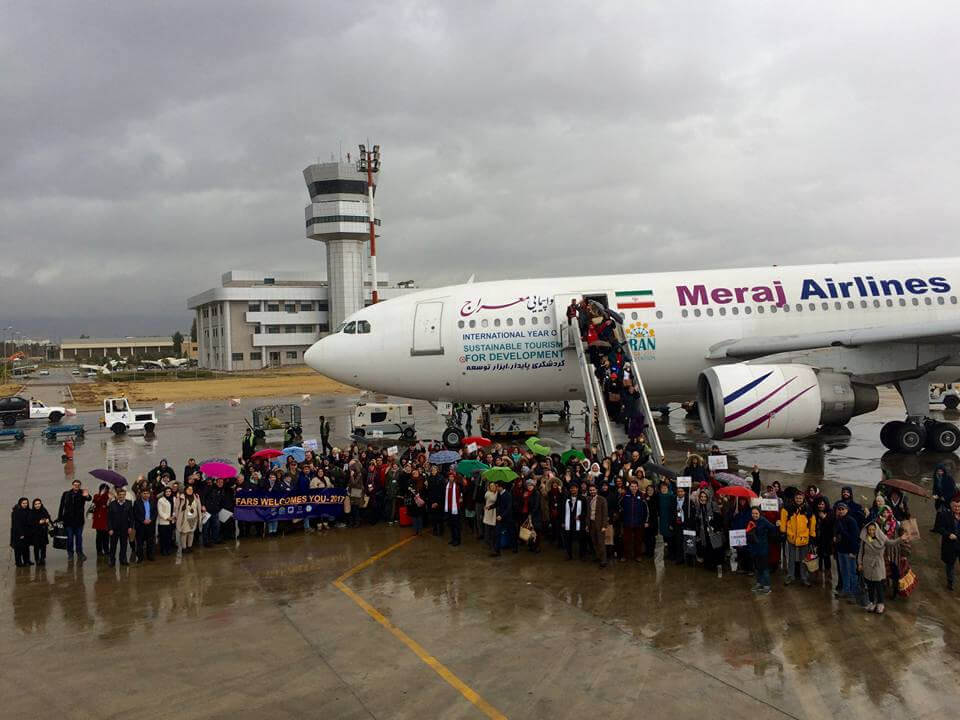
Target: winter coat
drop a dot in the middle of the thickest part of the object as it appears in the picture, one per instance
(20, 530)
(758, 539)
(799, 527)
(944, 486)
(633, 511)
(39, 532)
(71, 508)
(100, 502)
(490, 508)
(188, 515)
(870, 557)
(946, 525)
(120, 516)
(846, 535)
(166, 510)
(667, 513)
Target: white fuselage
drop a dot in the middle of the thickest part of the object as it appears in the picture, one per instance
(499, 341)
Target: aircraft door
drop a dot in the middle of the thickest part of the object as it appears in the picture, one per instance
(426, 329)
(560, 305)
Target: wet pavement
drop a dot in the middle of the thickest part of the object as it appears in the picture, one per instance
(260, 629)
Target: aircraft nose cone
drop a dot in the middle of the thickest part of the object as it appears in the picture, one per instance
(314, 356)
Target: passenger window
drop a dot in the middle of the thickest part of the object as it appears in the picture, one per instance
(786, 308)
(522, 321)
(773, 308)
(851, 304)
(340, 327)
(696, 312)
(533, 320)
(722, 311)
(659, 315)
(747, 310)
(953, 300)
(837, 305)
(484, 323)
(350, 328)
(903, 303)
(876, 303)
(709, 312)
(889, 302)
(735, 311)
(633, 316)
(509, 322)
(800, 307)
(684, 313)
(940, 300)
(760, 309)
(916, 301)
(496, 322)
(863, 303)
(473, 323)
(460, 323)
(363, 327)
(927, 301)
(546, 319)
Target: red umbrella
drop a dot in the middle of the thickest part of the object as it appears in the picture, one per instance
(268, 453)
(737, 491)
(480, 441)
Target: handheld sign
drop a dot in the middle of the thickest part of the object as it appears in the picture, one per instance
(471, 448)
(690, 533)
(393, 450)
(769, 504)
(310, 444)
(684, 481)
(738, 538)
(717, 462)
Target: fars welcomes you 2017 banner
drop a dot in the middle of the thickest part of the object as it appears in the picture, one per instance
(257, 505)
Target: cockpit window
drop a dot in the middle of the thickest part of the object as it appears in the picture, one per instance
(350, 328)
(340, 327)
(363, 327)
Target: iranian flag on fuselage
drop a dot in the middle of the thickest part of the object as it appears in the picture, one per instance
(633, 299)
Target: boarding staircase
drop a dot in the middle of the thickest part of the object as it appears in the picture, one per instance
(606, 433)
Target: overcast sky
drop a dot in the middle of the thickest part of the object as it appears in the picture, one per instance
(147, 147)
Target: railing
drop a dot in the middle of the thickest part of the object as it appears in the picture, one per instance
(599, 420)
(653, 437)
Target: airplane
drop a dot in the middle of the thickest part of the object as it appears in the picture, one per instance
(768, 352)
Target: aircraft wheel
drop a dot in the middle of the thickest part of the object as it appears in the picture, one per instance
(9, 421)
(943, 437)
(909, 438)
(452, 438)
(887, 433)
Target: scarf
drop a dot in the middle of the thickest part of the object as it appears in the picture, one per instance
(574, 504)
(451, 499)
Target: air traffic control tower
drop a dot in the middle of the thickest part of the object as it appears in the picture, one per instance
(339, 215)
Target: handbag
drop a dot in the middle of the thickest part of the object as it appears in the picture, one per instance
(812, 562)
(59, 534)
(908, 579)
(527, 533)
(716, 539)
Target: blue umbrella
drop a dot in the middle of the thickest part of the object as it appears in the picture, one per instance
(444, 457)
(298, 453)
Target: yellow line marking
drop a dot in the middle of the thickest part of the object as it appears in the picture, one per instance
(438, 667)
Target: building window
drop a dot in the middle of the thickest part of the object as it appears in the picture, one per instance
(214, 332)
(236, 357)
(323, 327)
(206, 312)
(291, 354)
(323, 305)
(269, 281)
(331, 187)
(273, 307)
(213, 311)
(256, 355)
(273, 330)
(253, 307)
(306, 307)
(305, 328)
(289, 329)
(290, 307)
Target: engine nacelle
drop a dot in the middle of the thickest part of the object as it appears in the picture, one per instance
(759, 402)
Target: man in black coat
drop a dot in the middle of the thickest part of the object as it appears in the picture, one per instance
(948, 526)
(145, 519)
(504, 519)
(72, 504)
(119, 524)
(213, 504)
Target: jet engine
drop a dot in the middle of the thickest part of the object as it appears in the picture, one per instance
(759, 402)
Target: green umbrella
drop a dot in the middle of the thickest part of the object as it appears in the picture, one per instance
(500, 475)
(572, 453)
(535, 446)
(468, 467)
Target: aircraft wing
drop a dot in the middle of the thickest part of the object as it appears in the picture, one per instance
(942, 332)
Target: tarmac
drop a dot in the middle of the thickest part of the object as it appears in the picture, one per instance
(369, 623)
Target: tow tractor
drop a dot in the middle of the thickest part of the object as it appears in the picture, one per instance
(121, 418)
(945, 394)
(271, 423)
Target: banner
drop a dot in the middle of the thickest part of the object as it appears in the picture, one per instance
(257, 505)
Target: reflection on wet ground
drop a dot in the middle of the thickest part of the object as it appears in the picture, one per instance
(259, 629)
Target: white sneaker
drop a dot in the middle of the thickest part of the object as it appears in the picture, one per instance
(870, 607)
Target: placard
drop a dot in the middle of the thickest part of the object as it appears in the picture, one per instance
(717, 462)
(310, 444)
(444, 408)
(393, 450)
(684, 481)
(738, 538)
(690, 533)
(769, 504)
(471, 448)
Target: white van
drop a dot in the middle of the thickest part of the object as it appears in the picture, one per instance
(373, 420)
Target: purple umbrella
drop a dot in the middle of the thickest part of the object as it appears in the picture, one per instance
(109, 476)
(218, 470)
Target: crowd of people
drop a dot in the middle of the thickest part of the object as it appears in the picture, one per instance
(589, 508)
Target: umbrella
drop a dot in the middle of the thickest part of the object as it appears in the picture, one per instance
(500, 475)
(218, 470)
(572, 453)
(476, 440)
(114, 478)
(737, 491)
(444, 457)
(536, 447)
(298, 453)
(267, 453)
(904, 485)
(468, 467)
(732, 479)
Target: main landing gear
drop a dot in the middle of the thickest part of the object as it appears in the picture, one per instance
(912, 436)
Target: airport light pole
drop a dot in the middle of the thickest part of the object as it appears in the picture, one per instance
(369, 162)
(6, 330)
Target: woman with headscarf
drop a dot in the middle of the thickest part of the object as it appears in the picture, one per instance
(530, 505)
(155, 475)
(944, 488)
(100, 502)
(20, 532)
(188, 519)
(825, 533)
(40, 531)
(872, 565)
(708, 525)
(166, 520)
(595, 474)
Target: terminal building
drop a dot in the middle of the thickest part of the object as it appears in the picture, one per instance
(257, 319)
(99, 348)
(260, 319)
